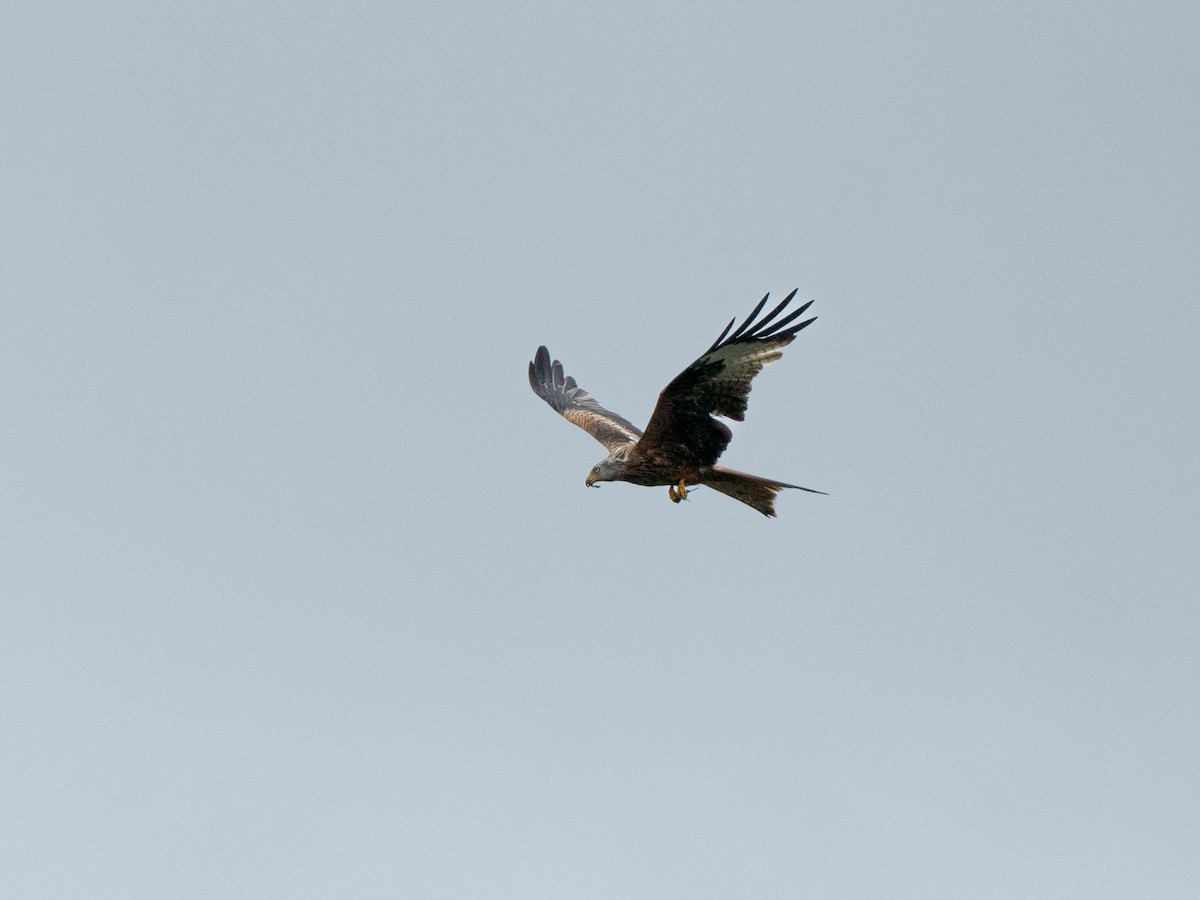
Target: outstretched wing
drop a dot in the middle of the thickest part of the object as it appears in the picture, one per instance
(682, 427)
(577, 405)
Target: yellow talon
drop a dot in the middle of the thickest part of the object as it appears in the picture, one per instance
(678, 492)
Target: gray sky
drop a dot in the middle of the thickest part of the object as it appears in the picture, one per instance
(303, 594)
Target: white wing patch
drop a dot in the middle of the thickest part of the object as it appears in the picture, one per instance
(750, 356)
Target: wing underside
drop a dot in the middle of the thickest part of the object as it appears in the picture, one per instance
(718, 384)
(576, 405)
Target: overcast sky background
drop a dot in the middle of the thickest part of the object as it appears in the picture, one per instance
(303, 594)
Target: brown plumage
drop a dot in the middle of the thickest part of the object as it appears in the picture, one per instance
(683, 441)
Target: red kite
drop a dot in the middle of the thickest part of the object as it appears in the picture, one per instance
(682, 440)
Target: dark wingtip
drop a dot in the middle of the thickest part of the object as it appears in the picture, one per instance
(766, 320)
(721, 337)
(766, 327)
(750, 318)
(540, 375)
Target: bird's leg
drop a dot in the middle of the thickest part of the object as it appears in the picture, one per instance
(678, 492)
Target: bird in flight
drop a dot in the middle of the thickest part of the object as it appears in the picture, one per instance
(682, 440)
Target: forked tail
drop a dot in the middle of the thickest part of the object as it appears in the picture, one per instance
(750, 489)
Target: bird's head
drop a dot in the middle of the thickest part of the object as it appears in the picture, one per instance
(606, 470)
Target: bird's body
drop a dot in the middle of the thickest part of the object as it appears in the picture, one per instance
(682, 440)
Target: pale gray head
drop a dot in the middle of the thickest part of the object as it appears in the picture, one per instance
(610, 469)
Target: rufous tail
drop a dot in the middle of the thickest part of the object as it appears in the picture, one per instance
(750, 489)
